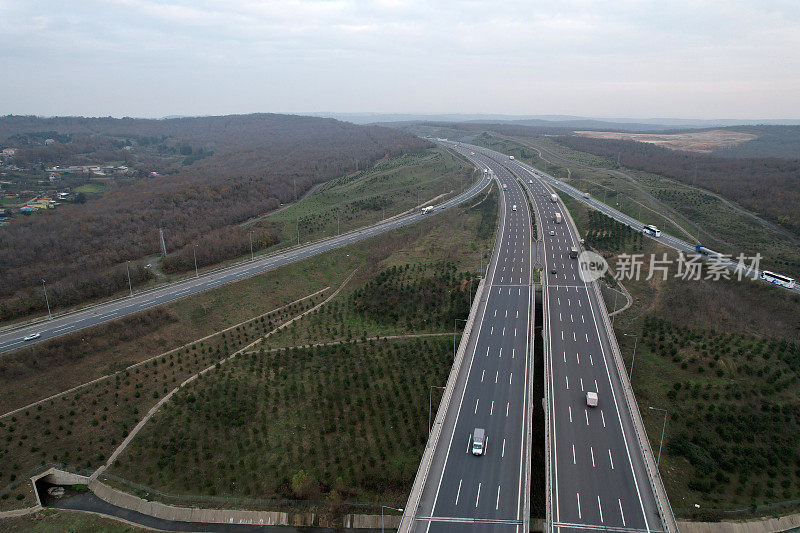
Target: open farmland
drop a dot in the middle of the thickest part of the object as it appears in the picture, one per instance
(696, 141)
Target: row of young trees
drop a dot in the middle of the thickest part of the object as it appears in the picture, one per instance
(81, 249)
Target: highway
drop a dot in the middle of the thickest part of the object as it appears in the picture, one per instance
(12, 338)
(526, 171)
(462, 491)
(597, 471)
(599, 477)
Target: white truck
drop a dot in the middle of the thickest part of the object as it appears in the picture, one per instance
(591, 399)
(514, 207)
(554, 198)
(426, 210)
(558, 218)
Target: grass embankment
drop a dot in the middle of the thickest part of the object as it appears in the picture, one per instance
(723, 357)
(368, 196)
(653, 199)
(60, 521)
(341, 422)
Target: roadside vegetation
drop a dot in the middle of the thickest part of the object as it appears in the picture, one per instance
(74, 522)
(723, 357)
(80, 430)
(336, 423)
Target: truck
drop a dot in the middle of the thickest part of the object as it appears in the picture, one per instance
(478, 441)
(514, 207)
(558, 218)
(426, 210)
(505, 187)
(700, 249)
(554, 198)
(573, 253)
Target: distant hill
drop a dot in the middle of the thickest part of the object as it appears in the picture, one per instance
(81, 250)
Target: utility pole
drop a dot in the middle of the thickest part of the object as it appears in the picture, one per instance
(297, 223)
(338, 228)
(128, 269)
(294, 181)
(251, 244)
(194, 253)
(46, 300)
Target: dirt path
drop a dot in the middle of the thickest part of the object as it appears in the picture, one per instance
(146, 361)
(166, 398)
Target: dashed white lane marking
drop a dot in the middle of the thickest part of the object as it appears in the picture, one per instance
(600, 507)
(507, 404)
(573, 455)
(591, 360)
(610, 459)
(578, 494)
(570, 417)
(476, 405)
(511, 375)
(482, 374)
(478, 497)
(620, 512)
(503, 450)
(591, 451)
(603, 418)
(491, 409)
(497, 503)
(459, 490)
(566, 378)
(586, 412)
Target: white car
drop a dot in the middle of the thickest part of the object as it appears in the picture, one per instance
(530, 182)
(552, 233)
(32, 336)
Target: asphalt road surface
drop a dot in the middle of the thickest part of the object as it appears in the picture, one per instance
(465, 492)
(597, 473)
(12, 339)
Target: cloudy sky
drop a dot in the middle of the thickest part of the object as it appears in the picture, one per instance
(620, 58)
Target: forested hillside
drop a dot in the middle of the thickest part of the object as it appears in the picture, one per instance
(768, 186)
(81, 250)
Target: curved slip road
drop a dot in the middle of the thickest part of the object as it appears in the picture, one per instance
(60, 325)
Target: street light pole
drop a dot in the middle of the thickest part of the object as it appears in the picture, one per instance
(194, 253)
(46, 300)
(251, 245)
(387, 507)
(663, 428)
(430, 406)
(455, 322)
(128, 269)
(635, 342)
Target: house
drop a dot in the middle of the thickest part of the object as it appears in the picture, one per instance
(53, 177)
(8, 152)
(27, 209)
(48, 142)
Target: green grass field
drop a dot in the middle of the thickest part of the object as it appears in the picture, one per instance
(61, 521)
(368, 196)
(91, 189)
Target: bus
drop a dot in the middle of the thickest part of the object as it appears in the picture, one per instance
(778, 279)
(651, 230)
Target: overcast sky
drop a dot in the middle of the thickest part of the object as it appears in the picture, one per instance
(620, 58)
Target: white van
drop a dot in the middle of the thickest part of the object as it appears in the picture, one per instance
(478, 442)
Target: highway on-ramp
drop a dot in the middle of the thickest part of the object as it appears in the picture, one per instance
(13, 338)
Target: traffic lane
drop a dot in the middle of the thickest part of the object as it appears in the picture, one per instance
(117, 309)
(472, 486)
(440, 526)
(592, 456)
